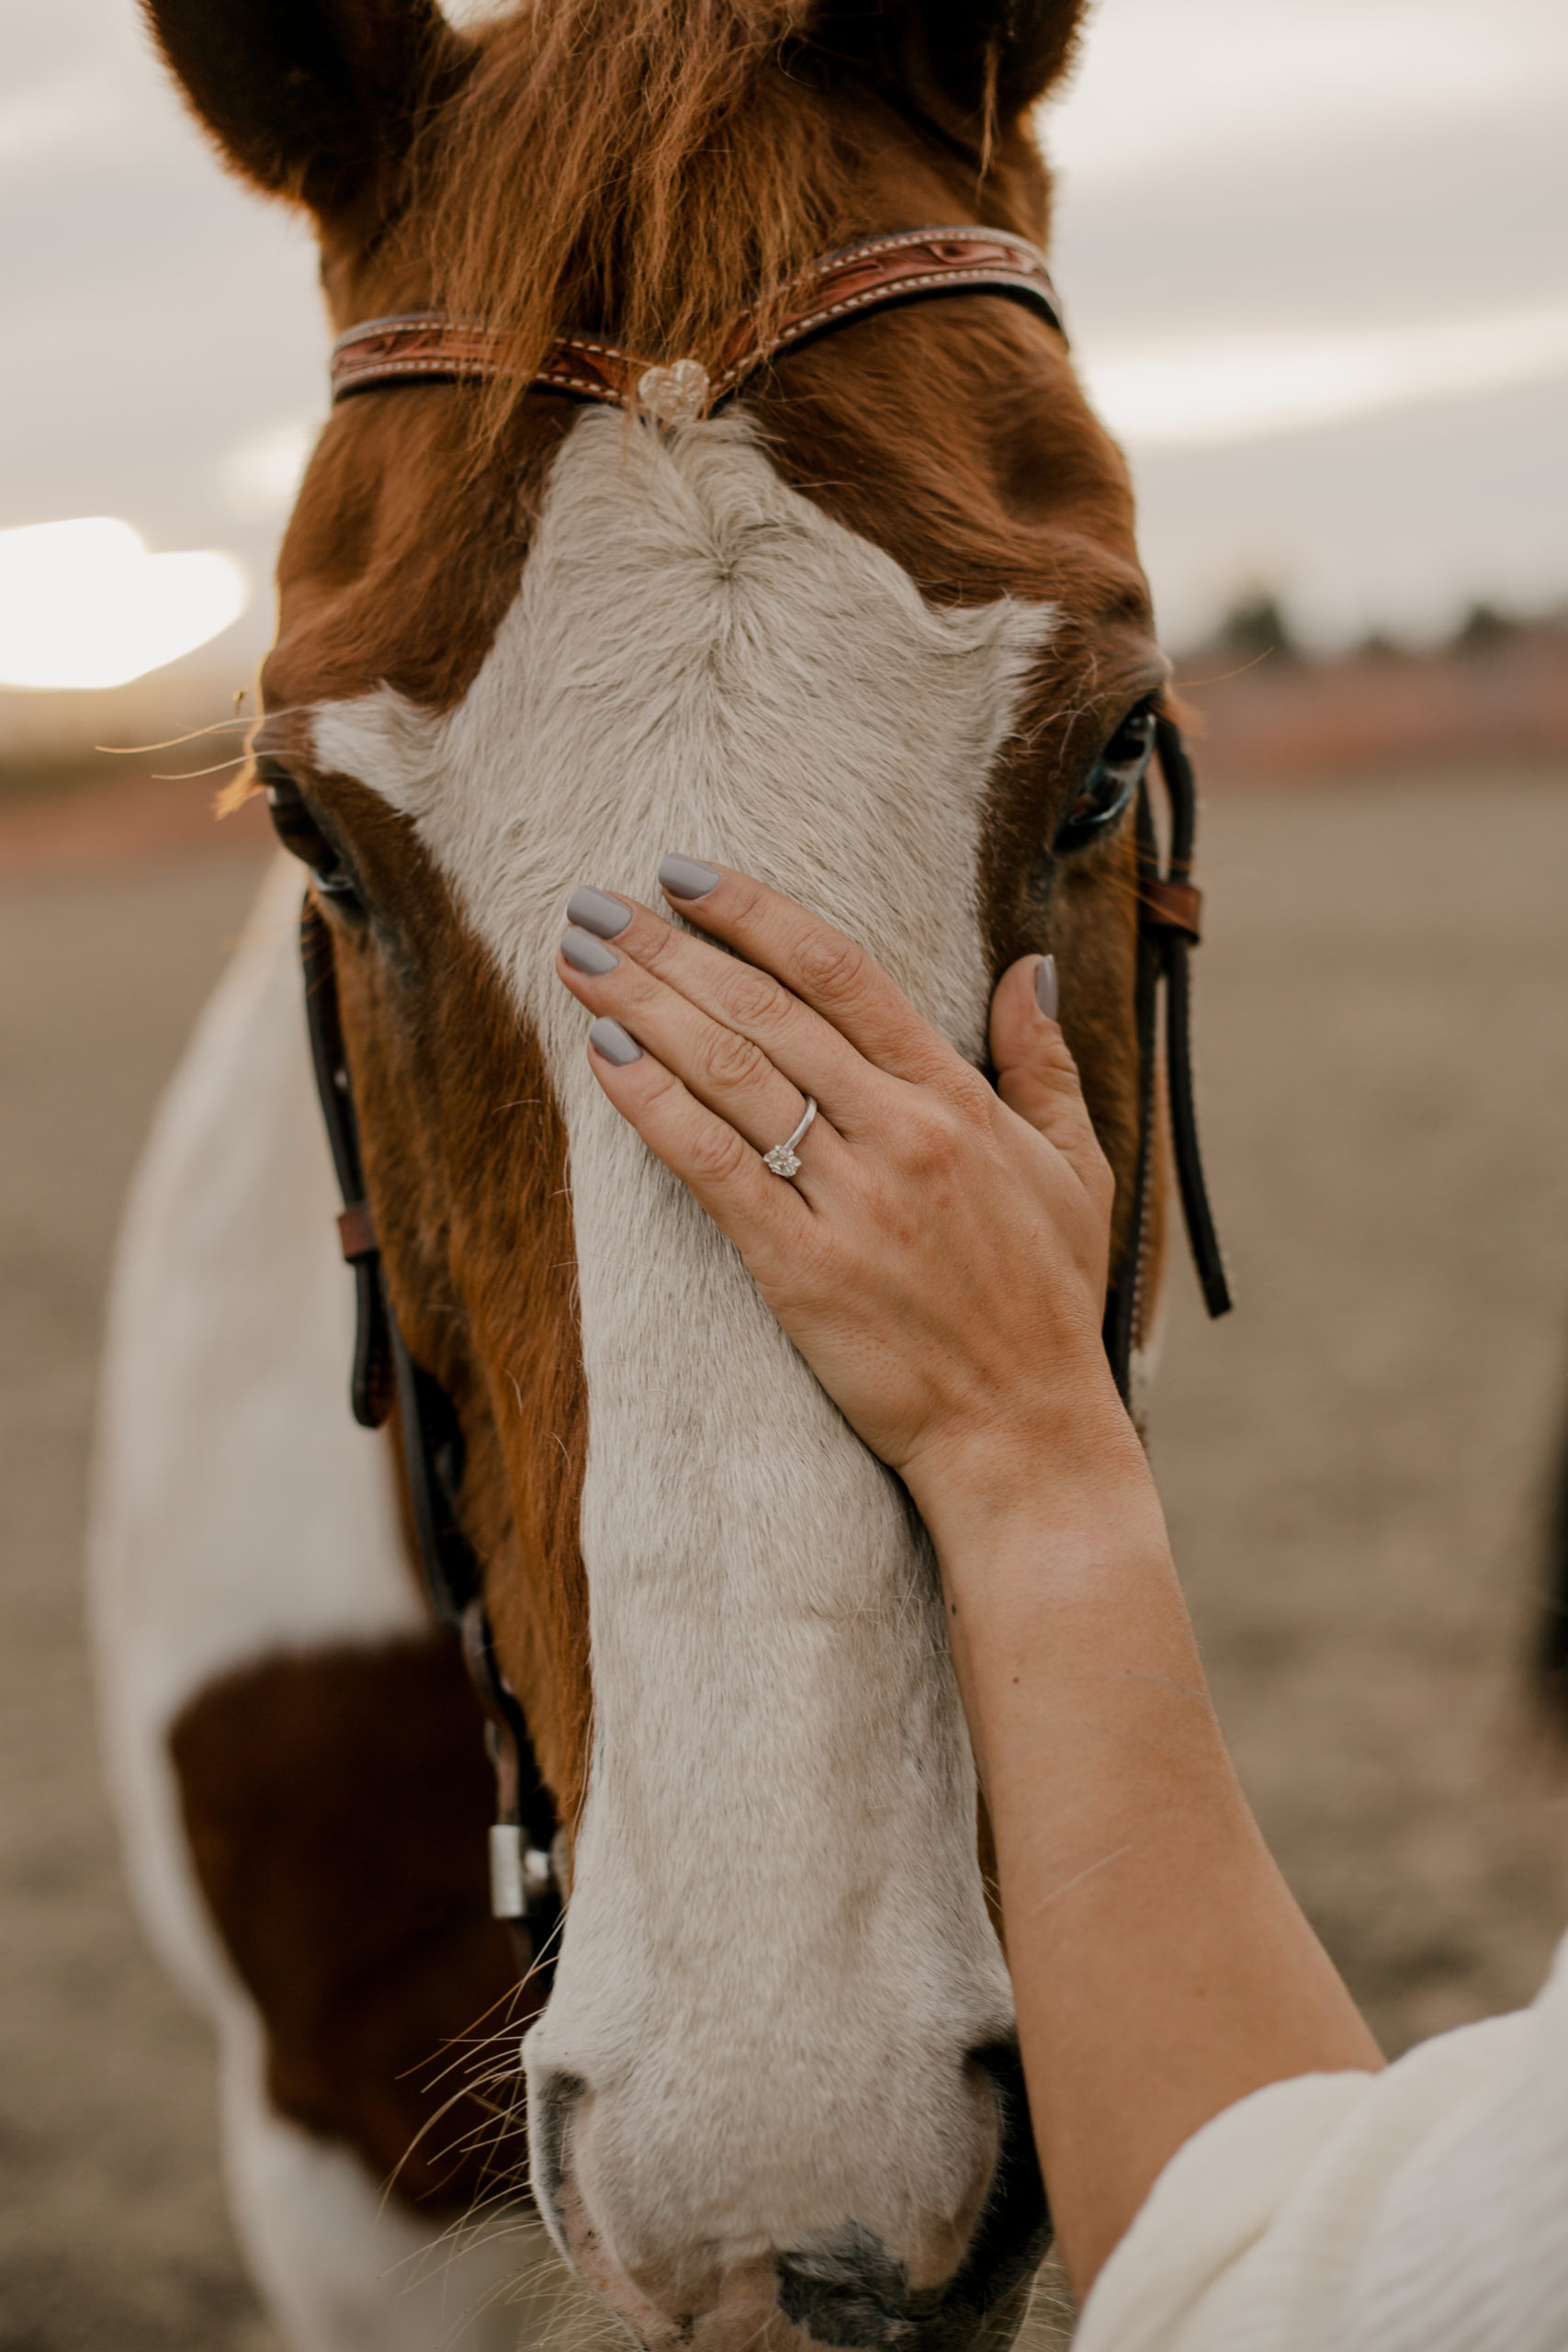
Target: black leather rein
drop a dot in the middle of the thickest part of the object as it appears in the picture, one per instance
(1170, 927)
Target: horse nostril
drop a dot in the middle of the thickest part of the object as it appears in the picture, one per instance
(552, 2102)
(851, 2292)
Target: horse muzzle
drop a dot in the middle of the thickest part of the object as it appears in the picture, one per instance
(844, 2287)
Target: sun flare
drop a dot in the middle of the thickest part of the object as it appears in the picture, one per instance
(83, 603)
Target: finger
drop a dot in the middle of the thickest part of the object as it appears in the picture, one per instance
(1036, 1074)
(749, 1003)
(820, 965)
(724, 1071)
(762, 1216)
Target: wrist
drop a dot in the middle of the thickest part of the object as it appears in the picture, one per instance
(1064, 1601)
(1059, 1462)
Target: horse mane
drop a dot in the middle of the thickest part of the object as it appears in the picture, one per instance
(640, 168)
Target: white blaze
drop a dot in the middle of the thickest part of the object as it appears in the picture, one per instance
(777, 1952)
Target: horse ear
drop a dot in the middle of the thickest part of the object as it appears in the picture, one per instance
(309, 99)
(988, 58)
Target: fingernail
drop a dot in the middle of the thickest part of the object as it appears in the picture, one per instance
(686, 877)
(1045, 986)
(586, 954)
(598, 912)
(608, 1038)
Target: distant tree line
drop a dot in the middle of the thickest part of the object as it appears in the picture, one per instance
(1256, 627)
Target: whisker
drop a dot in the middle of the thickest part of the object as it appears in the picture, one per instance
(172, 742)
(189, 775)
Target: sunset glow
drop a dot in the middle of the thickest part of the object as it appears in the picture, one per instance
(83, 603)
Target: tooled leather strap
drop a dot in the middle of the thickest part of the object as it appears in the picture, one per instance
(908, 265)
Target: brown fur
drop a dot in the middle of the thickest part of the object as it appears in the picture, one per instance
(389, 570)
(336, 1807)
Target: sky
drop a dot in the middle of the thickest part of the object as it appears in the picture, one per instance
(1312, 253)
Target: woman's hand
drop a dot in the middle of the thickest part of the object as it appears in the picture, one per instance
(940, 1258)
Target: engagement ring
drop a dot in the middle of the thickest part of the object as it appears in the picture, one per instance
(783, 1158)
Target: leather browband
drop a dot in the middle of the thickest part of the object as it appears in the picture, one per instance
(872, 275)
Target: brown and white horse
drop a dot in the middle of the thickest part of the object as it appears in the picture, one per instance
(869, 631)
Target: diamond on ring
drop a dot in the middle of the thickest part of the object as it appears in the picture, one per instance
(783, 1160)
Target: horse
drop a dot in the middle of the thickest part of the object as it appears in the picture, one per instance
(873, 626)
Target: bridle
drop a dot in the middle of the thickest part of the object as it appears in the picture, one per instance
(431, 347)
(908, 265)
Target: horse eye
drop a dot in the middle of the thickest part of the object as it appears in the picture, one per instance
(295, 827)
(1102, 797)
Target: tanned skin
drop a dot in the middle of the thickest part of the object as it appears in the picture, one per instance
(941, 1260)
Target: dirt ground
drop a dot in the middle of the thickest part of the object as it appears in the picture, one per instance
(1354, 1464)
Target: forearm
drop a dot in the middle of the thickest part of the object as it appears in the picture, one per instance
(1161, 1967)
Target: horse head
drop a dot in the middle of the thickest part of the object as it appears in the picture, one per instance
(876, 631)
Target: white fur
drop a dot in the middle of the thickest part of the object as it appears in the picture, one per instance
(777, 1953)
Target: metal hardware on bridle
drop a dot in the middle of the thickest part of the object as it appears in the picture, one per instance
(524, 1890)
(1170, 911)
(522, 1882)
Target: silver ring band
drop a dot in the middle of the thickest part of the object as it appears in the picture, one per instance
(783, 1160)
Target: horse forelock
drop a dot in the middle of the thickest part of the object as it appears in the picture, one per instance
(654, 169)
(640, 167)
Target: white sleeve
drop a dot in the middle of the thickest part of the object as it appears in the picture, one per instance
(1422, 2210)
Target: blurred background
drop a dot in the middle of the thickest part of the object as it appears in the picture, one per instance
(1312, 255)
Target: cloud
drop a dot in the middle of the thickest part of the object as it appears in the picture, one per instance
(1191, 395)
(54, 116)
(1215, 81)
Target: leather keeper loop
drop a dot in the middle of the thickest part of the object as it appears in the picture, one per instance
(1172, 906)
(356, 1232)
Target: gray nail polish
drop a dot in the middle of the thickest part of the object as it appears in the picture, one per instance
(608, 1038)
(586, 954)
(686, 877)
(1045, 986)
(598, 912)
